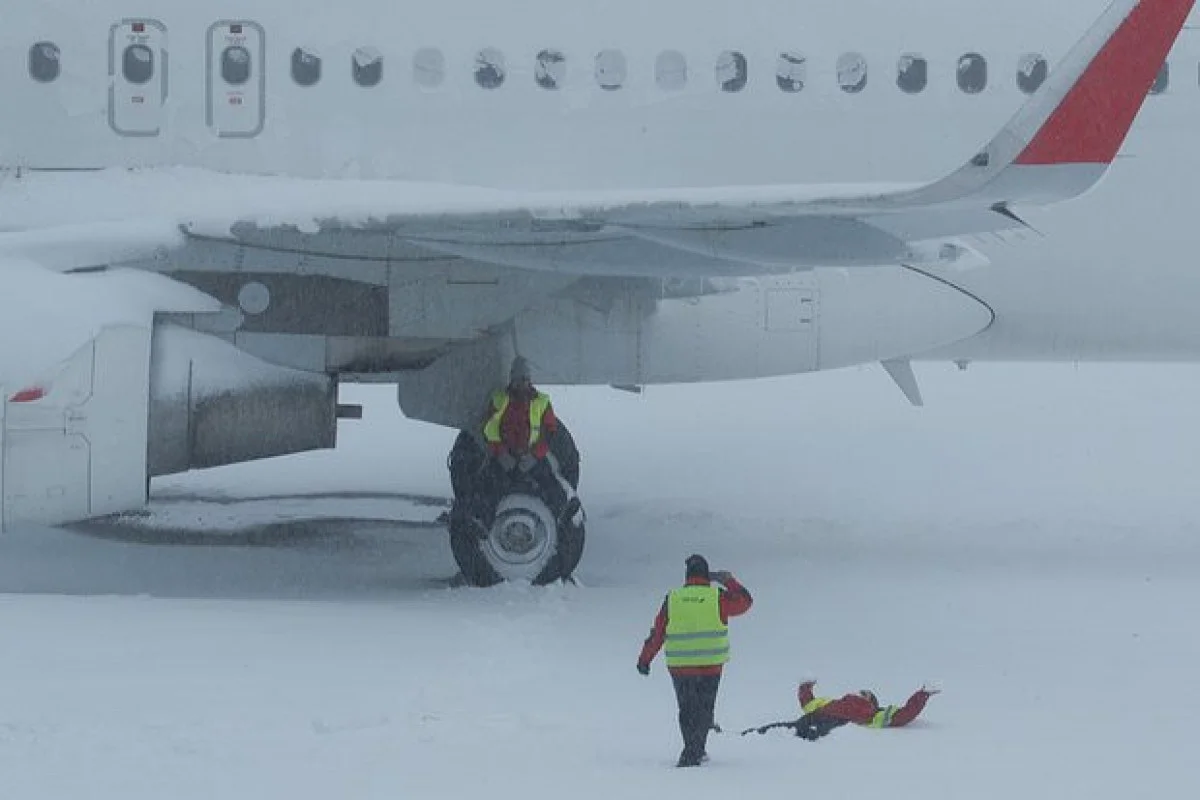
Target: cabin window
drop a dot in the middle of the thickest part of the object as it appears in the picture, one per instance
(429, 68)
(1162, 80)
(1032, 71)
(972, 73)
(235, 65)
(45, 62)
(367, 66)
(610, 70)
(852, 72)
(138, 64)
(912, 73)
(550, 71)
(791, 71)
(489, 68)
(306, 67)
(732, 71)
(670, 71)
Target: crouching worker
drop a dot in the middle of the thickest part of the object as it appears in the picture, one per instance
(516, 426)
(824, 714)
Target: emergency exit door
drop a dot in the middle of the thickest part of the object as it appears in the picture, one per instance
(138, 75)
(237, 79)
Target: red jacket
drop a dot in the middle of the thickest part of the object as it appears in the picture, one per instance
(514, 427)
(735, 600)
(859, 710)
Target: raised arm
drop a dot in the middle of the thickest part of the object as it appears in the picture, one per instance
(909, 711)
(735, 598)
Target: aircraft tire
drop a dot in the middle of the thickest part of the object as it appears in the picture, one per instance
(523, 543)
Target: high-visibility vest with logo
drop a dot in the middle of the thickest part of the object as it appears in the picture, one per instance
(696, 636)
(500, 402)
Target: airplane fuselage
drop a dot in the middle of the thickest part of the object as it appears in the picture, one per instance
(559, 96)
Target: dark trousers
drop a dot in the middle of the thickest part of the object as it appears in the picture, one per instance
(552, 491)
(492, 483)
(814, 726)
(697, 697)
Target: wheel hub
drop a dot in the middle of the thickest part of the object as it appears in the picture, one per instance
(518, 538)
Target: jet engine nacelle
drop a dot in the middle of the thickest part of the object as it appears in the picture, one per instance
(136, 402)
(212, 405)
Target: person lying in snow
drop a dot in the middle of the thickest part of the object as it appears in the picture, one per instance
(824, 714)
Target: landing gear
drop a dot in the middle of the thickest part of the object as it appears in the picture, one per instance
(524, 542)
(501, 526)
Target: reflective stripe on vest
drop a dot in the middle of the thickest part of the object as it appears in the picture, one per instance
(816, 704)
(696, 636)
(883, 717)
(500, 401)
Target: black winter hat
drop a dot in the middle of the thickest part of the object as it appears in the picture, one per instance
(697, 566)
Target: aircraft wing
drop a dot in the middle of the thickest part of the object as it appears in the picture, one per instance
(1058, 145)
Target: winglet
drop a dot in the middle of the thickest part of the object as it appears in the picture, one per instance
(1109, 74)
(1063, 139)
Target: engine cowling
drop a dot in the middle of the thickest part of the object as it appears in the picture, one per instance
(211, 405)
(138, 401)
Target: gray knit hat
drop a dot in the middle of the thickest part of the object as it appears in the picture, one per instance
(519, 371)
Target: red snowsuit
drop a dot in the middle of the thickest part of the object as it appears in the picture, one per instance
(862, 711)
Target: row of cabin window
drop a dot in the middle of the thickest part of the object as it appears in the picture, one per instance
(732, 70)
(550, 70)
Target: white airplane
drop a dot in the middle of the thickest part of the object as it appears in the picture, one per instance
(623, 193)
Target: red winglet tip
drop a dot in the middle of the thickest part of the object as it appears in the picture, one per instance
(1091, 123)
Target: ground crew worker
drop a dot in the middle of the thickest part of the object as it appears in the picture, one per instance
(694, 624)
(824, 714)
(516, 425)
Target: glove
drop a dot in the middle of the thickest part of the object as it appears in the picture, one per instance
(721, 575)
(506, 461)
(527, 462)
(643, 668)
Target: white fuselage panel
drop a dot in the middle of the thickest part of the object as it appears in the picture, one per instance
(547, 95)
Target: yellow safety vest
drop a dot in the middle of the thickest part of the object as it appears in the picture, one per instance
(696, 636)
(816, 704)
(882, 718)
(500, 401)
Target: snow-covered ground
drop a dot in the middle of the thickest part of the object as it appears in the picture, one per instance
(1030, 542)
